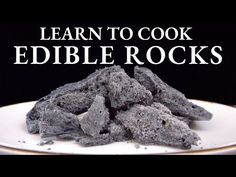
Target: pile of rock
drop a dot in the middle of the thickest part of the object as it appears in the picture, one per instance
(117, 107)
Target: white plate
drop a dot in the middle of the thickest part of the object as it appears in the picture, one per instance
(218, 136)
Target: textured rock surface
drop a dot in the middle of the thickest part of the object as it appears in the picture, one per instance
(170, 97)
(95, 141)
(153, 126)
(115, 108)
(118, 132)
(74, 97)
(96, 118)
(124, 91)
(114, 133)
(33, 117)
(55, 122)
(163, 108)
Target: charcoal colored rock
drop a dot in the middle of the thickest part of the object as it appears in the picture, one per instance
(97, 117)
(32, 126)
(95, 141)
(75, 103)
(73, 98)
(34, 115)
(109, 106)
(48, 142)
(118, 132)
(70, 136)
(170, 97)
(113, 133)
(125, 91)
(163, 108)
(55, 122)
(152, 126)
(92, 83)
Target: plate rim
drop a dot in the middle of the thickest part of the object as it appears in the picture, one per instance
(218, 150)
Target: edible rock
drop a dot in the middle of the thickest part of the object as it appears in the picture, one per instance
(170, 97)
(153, 126)
(110, 106)
(96, 118)
(124, 91)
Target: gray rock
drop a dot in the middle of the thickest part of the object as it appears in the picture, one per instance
(125, 91)
(170, 97)
(70, 136)
(163, 108)
(48, 142)
(92, 82)
(72, 98)
(97, 117)
(75, 103)
(118, 132)
(114, 133)
(32, 126)
(55, 122)
(34, 115)
(152, 126)
(119, 108)
(95, 141)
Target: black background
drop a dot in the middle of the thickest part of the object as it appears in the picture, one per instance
(19, 83)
